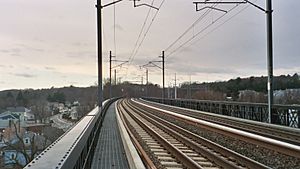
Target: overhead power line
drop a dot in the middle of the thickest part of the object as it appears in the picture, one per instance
(131, 58)
(192, 26)
(141, 31)
(147, 30)
(201, 31)
(217, 27)
(221, 24)
(115, 46)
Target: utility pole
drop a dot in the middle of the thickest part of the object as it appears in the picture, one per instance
(169, 91)
(163, 74)
(270, 57)
(152, 64)
(99, 42)
(268, 12)
(99, 46)
(110, 60)
(175, 89)
(99, 33)
(115, 71)
(115, 76)
(147, 82)
(190, 89)
(142, 80)
(142, 83)
(147, 79)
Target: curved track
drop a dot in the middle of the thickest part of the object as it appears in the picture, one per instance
(171, 146)
(282, 134)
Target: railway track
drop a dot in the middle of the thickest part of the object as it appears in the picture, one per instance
(173, 147)
(285, 135)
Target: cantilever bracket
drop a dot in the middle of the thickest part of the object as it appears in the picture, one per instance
(145, 65)
(210, 7)
(106, 5)
(155, 65)
(143, 4)
(121, 64)
(229, 2)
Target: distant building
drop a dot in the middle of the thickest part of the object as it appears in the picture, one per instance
(16, 114)
(74, 114)
(76, 103)
(10, 156)
(68, 104)
(287, 96)
(61, 107)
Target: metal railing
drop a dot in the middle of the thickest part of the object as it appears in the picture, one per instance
(287, 115)
(75, 148)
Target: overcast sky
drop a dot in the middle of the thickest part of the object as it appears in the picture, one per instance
(53, 42)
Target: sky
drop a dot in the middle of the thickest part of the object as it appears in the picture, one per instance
(54, 42)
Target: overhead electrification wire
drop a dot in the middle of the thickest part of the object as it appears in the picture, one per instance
(104, 38)
(115, 45)
(139, 36)
(141, 31)
(145, 34)
(221, 24)
(192, 26)
(131, 58)
(201, 31)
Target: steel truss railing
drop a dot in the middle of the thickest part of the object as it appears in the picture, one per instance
(75, 148)
(287, 115)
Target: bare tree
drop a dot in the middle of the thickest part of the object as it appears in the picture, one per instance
(28, 150)
(251, 96)
(208, 95)
(40, 110)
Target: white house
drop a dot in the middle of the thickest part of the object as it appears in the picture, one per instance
(16, 114)
(10, 156)
(74, 113)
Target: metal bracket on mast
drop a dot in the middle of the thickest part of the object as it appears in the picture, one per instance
(226, 2)
(143, 4)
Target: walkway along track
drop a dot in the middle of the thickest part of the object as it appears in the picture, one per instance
(175, 147)
(268, 143)
(285, 135)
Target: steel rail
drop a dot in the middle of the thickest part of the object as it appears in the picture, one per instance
(275, 133)
(184, 134)
(180, 156)
(277, 146)
(146, 159)
(219, 103)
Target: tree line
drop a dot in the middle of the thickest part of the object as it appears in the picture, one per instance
(254, 86)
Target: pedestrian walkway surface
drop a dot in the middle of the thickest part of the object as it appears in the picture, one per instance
(110, 153)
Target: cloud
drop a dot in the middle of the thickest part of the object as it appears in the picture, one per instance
(49, 68)
(38, 39)
(4, 51)
(16, 50)
(80, 44)
(81, 54)
(184, 67)
(7, 66)
(73, 83)
(12, 51)
(119, 27)
(30, 48)
(26, 75)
